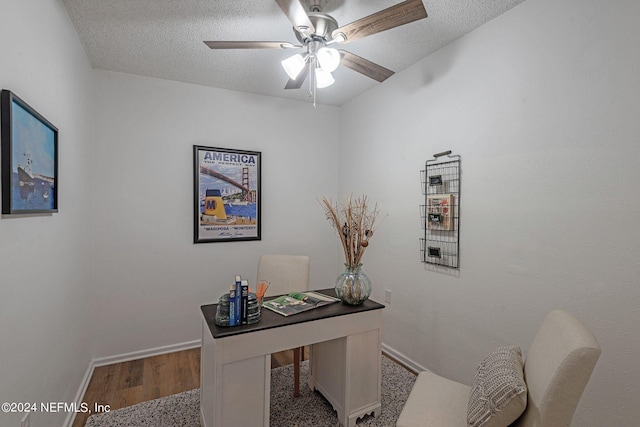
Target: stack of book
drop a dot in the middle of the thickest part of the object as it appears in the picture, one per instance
(238, 306)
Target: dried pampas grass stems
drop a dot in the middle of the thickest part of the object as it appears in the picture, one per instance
(355, 223)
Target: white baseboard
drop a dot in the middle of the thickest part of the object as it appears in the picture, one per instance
(71, 415)
(141, 354)
(119, 358)
(409, 363)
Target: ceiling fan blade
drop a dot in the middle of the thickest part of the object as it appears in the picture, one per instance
(249, 45)
(394, 16)
(297, 15)
(297, 83)
(364, 66)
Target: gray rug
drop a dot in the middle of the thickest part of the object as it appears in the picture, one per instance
(308, 410)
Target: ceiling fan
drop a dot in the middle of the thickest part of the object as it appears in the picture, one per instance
(317, 32)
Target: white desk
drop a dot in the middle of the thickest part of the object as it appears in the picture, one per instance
(344, 364)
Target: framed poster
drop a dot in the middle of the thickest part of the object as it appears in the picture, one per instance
(29, 159)
(227, 194)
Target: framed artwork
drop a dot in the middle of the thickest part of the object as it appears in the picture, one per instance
(434, 252)
(227, 195)
(440, 212)
(29, 159)
(435, 180)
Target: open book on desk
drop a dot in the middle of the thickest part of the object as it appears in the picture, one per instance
(297, 302)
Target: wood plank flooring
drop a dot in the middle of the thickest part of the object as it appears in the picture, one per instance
(129, 383)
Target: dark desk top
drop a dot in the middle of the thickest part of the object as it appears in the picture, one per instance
(270, 319)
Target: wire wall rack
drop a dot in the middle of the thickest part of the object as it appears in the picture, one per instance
(440, 214)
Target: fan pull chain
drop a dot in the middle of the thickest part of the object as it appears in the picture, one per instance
(312, 80)
(314, 96)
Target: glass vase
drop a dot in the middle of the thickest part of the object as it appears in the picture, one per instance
(353, 287)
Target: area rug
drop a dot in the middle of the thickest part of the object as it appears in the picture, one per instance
(311, 409)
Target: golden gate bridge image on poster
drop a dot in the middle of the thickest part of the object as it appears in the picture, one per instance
(225, 200)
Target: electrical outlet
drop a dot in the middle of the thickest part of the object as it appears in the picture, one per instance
(26, 420)
(387, 296)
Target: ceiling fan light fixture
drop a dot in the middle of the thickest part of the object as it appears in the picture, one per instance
(293, 65)
(328, 58)
(323, 78)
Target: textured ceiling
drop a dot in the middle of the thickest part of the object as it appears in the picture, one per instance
(164, 39)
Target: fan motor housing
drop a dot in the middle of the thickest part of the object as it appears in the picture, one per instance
(324, 25)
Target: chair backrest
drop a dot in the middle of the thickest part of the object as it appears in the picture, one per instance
(557, 368)
(285, 273)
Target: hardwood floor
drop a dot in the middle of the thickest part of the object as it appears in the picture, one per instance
(128, 383)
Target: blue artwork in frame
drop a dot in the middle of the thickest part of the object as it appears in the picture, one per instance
(29, 159)
(227, 194)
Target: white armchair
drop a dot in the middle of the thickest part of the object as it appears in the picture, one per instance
(557, 367)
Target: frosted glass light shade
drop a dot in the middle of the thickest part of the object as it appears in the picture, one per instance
(328, 58)
(323, 78)
(293, 65)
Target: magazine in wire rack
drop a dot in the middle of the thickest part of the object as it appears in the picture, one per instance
(297, 302)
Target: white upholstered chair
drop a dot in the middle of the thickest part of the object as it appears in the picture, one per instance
(557, 367)
(286, 273)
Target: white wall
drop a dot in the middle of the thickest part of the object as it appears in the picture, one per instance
(45, 323)
(542, 104)
(150, 279)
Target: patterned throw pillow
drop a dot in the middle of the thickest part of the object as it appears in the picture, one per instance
(498, 393)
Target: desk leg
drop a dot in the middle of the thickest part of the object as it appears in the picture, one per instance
(347, 372)
(235, 393)
(296, 371)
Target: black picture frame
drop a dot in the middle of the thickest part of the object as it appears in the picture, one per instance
(435, 180)
(434, 252)
(227, 194)
(29, 151)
